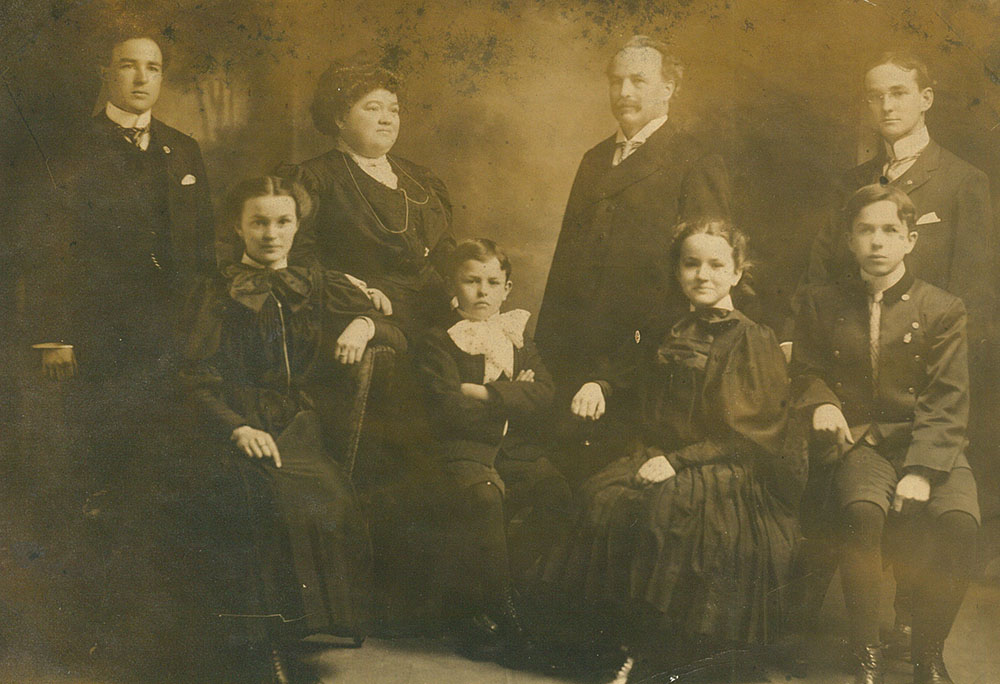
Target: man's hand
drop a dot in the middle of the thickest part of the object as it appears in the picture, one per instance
(256, 443)
(59, 363)
(656, 469)
(911, 491)
(352, 342)
(474, 391)
(527, 375)
(589, 402)
(829, 421)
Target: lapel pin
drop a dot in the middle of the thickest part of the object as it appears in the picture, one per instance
(166, 149)
(638, 337)
(907, 337)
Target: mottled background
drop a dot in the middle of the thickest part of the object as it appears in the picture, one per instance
(503, 97)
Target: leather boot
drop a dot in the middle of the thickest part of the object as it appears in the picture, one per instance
(897, 641)
(519, 649)
(869, 667)
(928, 666)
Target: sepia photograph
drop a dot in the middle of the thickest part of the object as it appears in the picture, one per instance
(500, 341)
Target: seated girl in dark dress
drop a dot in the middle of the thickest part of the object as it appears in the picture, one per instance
(687, 538)
(264, 366)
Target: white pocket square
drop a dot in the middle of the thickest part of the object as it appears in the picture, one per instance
(188, 180)
(928, 218)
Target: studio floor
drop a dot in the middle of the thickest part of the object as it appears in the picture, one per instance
(972, 654)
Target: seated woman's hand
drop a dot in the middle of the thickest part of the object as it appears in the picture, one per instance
(59, 363)
(829, 421)
(352, 342)
(379, 301)
(527, 375)
(589, 402)
(256, 443)
(656, 469)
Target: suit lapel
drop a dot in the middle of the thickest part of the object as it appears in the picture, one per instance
(183, 212)
(645, 161)
(922, 169)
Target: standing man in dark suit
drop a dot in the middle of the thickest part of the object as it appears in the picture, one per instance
(957, 251)
(629, 192)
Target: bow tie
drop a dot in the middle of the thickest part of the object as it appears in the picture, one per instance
(495, 338)
(252, 286)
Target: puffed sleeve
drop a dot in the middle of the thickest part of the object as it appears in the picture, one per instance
(205, 364)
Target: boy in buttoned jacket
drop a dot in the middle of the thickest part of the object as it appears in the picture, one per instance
(879, 366)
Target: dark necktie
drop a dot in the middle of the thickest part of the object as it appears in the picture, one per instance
(134, 135)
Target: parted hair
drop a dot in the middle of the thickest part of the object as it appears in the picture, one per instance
(870, 194)
(671, 68)
(265, 186)
(125, 29)
(341, 86)
(477, 249)
(908, 61)
(723, 228)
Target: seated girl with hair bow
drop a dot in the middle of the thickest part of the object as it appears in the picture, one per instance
(487, 393)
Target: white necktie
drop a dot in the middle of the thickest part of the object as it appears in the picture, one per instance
(874, 330)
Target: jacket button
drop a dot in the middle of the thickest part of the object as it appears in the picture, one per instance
(916, 357)
(836, 353)
(910, 390)
(915, 325)
(838, 385)
(905, 297)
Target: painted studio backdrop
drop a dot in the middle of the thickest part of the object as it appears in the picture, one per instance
(501, 98)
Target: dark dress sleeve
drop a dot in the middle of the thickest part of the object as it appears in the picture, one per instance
(344, 302)
(441, 250)
(205, 364)
(525, 401)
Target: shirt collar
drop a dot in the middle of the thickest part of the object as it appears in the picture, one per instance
(643, 133)
(128, 119)
(909, 145)
(885, 282)
(726, 303)
(253, 263)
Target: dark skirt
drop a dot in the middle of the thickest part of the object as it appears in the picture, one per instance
(308, 555)
(708, 550)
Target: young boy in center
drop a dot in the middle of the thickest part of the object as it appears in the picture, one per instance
(487, 394)
(880, 364)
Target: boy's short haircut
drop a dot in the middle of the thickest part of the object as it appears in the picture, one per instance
(870, 194)
(477, 249)
(130, 28)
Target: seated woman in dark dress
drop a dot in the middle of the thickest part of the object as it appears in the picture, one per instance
(689, 537)
(382, 219)
(264, 365)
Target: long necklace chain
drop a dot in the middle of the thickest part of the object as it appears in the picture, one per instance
(406, 200)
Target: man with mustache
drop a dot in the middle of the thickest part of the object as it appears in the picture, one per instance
(629, 192)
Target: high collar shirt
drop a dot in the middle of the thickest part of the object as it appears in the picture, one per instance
(902, 154)
(624, 146)
(130, 120)
(378, 168)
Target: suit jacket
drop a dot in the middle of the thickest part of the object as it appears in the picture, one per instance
(957, 246)
(608, 268)
(470, 429)
(100, 257)
(922, 401)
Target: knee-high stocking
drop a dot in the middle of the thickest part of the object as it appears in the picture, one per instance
(861, 569)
